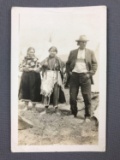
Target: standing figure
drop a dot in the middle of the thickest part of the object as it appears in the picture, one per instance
(81, 66)
(30, 81)
(52, 86)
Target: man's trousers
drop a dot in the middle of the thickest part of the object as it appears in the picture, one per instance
(80, 80)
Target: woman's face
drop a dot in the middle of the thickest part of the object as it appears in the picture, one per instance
(52, 53)
(31, 53)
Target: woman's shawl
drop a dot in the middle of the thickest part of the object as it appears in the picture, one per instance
(45, 64)
(29, 62)
(50, 77)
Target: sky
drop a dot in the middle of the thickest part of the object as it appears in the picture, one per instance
(43, 28)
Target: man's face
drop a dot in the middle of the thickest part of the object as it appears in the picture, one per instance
(82, 44)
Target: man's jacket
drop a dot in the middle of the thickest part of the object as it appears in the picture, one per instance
(90, 61)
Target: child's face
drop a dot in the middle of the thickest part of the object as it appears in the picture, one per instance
(52, 53)
(31, 53)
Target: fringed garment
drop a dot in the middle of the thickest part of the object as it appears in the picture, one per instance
(52, 87)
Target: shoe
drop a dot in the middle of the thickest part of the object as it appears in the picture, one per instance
(87, 119)
(56, 108)
(57, 111)
(45, 112)
(46, 107)
(30, 105)
(75, 115)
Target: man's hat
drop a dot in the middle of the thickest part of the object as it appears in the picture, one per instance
(82, 38)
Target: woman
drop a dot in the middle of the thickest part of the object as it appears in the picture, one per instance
(30, 81)
(52, 87)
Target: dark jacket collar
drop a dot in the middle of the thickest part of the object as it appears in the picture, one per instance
(76, 53)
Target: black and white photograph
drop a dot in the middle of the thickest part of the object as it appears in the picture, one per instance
(58, 79)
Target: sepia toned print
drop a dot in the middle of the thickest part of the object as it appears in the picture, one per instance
(58, 94)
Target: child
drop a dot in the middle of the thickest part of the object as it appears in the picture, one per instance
(52, 87)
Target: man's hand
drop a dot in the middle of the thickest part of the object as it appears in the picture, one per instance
(88, 75)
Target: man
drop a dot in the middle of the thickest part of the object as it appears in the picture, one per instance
(81, 66)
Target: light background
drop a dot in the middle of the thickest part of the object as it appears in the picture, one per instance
(43, 28)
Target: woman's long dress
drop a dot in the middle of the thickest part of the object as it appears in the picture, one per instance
(30, 81)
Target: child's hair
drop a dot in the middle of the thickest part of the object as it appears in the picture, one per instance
(30, 48)
(53, 48)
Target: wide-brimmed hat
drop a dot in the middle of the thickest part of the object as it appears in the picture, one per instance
(82, 38)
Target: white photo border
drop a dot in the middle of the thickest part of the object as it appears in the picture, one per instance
(15, 12)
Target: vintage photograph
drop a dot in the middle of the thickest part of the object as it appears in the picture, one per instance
(58, 79)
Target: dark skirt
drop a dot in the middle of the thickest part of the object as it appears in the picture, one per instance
(30, 86)
(59, 99)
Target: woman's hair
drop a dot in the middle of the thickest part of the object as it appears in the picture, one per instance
(53, 48)
(30, 48)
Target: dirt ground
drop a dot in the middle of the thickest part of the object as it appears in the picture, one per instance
(63, 128)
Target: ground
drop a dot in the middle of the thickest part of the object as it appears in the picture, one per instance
(62, 128)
